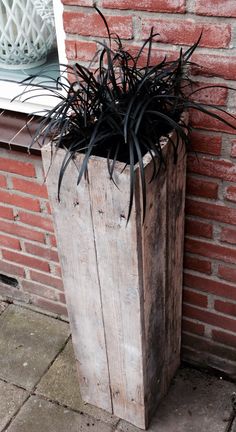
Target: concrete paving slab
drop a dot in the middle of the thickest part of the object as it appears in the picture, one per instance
(195, 402)
(234, 426)
(60, 384)
(29, 341)
(11, 399)
(39, 415)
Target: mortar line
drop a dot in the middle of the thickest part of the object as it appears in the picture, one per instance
(77, 411)
(36, 310)
(230, 423)
(48, 399)
(13, 384)
(15, 414)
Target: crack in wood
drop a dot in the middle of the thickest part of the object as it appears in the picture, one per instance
(100, 290)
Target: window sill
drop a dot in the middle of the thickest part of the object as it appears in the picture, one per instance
(16, 130)
(10, 89)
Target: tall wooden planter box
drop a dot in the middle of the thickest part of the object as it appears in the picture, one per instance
(123, 284)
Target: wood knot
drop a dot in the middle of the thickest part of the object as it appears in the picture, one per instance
(116, 393)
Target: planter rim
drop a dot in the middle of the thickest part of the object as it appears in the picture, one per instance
(120, 165)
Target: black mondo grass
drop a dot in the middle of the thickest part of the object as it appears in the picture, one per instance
(121, 110)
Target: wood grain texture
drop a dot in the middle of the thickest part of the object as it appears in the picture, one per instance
(117, 253)
(75, 238)
(174, 267)
(123, 282)
(154, 282)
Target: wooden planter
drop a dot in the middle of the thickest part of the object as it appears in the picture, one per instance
(123, 284)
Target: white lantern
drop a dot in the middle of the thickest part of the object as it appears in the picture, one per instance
(26, 33)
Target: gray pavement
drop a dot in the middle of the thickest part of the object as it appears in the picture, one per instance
(29, 342)
(39, 389)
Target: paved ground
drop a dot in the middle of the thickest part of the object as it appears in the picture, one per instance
(39, 390)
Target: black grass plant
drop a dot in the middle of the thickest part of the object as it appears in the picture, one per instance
(121, 109)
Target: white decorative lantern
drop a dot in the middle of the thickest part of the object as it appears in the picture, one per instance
(26, 33)
(45, 10)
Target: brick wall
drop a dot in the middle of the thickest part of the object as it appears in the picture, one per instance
(28, 246)
(209, 323)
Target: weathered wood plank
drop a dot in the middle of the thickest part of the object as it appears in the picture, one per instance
(154, 281)
(174, 266)
(121, 290)
(75, 237)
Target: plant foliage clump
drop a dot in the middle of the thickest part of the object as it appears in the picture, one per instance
(122, 109)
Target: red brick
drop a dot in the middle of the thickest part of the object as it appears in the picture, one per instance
(192, 327)
(92, 24)
(211, 318)
(228, 235)
(197, 264)
(53, 241)
(46, 279)
(80, 50)
(19, 201)
(9, 242)
(147, 5)
(62, 298)
(209, 144)
(201, 187)
(187, 32)
(227, 273)
(198, 229)
(42, 252)
(17, 167)
(215, 212)
(225, 307)
(11, 269)
(231, 193)
(78, 2)
(20, 231)
(56, 308)
(3, 181)
(26, 260)
(42, 222)
(6, 212)
(221, 169)
(215, 65)
(57, 270)
(30, 187)
(201, 120)
(209, 93)
(40, 290)
(206, 350)
(48, 207)
(233, 149)
(208, 285)
(211, 250)
(157, 55)
(194, 298)
(227, 8)
(224, 338)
